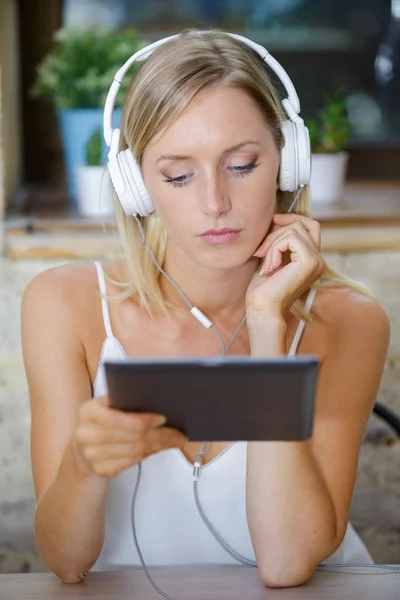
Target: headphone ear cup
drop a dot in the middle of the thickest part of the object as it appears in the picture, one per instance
(135, 183)
(295, 168)
(127, 179)
(304, 154)
(288, 174)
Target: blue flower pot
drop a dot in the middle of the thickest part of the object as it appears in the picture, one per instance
(77, 125)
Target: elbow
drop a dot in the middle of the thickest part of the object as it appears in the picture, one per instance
(67, 574)
(57, 561)
(287, 575)
(294, 571)
(71, 576)
(295, 565)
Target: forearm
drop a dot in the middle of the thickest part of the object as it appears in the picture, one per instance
(69, 520)
(290, 514)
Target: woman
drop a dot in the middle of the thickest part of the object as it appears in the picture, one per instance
(203, 120)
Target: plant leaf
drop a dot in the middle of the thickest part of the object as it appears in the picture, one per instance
(78, 71)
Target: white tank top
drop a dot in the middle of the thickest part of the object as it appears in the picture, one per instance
(168, 526)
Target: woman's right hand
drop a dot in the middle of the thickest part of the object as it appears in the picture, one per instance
(107, 441)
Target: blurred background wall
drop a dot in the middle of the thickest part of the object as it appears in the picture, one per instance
(10, 131)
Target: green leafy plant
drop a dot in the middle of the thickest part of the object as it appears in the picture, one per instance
(94, 149)
(331, 129)
(78, 71)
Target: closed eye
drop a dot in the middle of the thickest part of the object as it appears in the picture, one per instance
(243, 170)
(177, 181)
(239, 171)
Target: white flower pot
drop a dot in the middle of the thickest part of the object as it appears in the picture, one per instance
(328, 176)
(94, 191)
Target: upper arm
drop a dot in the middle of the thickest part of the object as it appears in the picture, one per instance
(348, 384)
(55, 365)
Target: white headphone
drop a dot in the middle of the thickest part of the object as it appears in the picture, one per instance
(295, 169)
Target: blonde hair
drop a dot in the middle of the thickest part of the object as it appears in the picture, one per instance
(159, 92)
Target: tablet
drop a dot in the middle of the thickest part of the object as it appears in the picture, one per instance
(220, 398)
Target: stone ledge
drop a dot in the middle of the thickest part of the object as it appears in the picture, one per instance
(20, 556)
(90, 245)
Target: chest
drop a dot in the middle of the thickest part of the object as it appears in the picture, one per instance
(168, 525)
(190, 451)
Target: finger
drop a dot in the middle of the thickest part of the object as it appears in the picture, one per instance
(310, 225)
(136, 449)
(95, 434)
(307, 261)
(312, 228)
(309, 234)
(111, 468)
(114, 451)
(280, 231)
(279, 249)
(165, 438)
(289, 241)
(295, 229)
(118, 419)
(110, 459)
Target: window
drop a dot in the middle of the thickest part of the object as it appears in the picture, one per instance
(323, 45)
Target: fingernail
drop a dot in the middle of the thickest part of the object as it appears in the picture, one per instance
(263, 269)
(160, 420)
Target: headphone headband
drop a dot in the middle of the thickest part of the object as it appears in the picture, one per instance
(291, 104)
(125, 171)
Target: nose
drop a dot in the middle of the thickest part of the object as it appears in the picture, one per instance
(215, 198)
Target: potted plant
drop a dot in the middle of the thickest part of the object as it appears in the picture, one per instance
(94, 189)
(329, 134)
(75, 76)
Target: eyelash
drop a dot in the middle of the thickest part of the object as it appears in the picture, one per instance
(246, 170)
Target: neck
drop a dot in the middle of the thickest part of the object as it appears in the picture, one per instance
(218, 294)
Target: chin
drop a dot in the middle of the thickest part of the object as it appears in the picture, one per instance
(228, 260)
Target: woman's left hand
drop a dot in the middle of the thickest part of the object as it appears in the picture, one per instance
(275, 288)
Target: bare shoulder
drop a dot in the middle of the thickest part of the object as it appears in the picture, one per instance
(348, 313)
(70, 287)
(62, 297)
(62, 282)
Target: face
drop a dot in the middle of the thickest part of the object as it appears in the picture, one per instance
(212, 176)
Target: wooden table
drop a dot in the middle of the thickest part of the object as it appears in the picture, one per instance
(200, 582)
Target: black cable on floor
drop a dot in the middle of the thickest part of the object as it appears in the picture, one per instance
(389, 416)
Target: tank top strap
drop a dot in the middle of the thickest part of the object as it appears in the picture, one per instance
(302, 324)
(104, 303)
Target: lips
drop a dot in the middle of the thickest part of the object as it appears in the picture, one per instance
(220, 231)
(215, 237)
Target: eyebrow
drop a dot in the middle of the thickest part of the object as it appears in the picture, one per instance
(231, 149)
